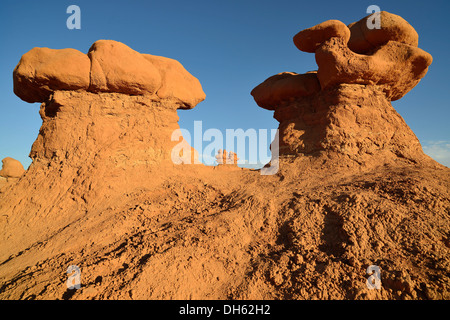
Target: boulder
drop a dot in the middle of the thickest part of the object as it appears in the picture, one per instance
(11, 168)
(118, 68)
(177, 82)
(109, 66)
(284, 87)
(395, 67)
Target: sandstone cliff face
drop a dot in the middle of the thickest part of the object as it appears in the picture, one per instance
(353, 188)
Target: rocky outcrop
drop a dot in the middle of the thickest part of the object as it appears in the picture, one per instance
(109, 66)
(343, 110)
(11, 170)
(102, 138)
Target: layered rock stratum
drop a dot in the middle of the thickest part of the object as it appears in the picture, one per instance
(353, 188)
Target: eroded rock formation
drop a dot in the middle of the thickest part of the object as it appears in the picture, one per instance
(343, 109)
(102, 192)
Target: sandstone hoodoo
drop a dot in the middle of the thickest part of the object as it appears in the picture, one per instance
(11, 168)
(343, 109)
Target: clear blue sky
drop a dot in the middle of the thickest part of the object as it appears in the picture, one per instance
(230, 46)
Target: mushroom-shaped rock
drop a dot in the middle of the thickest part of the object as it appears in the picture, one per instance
(284, 87)
(41, 71)
(393, 28)
(115, 67)
(395, 67)
(177, 82)
(309, 40)
(12, 168)
(226, 157)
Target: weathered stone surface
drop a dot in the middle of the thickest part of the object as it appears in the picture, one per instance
(118, 68)
(11, 168)
(349, 120)
(176, 82)
(393, 28)
(109, 66)
(122, 129)
(395, 67)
